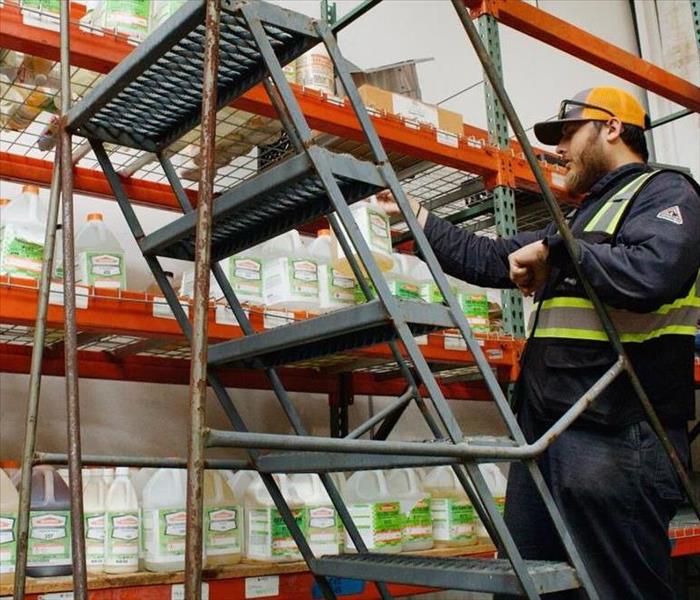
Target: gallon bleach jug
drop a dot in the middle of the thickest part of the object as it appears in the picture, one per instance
(164, 520)
(335, 289)
(122, 525)
(417, 526)
(9, 506)
(268, 538)
(139, 481)
(374, 226)
(22, 231)
(223, 520)
(49, 545)
(454, 520)
(321, 517)
(99, 255)
(94, 503)
(496, 482)
(376, 514)
(290, 276)
(239, 481)
(245, 273)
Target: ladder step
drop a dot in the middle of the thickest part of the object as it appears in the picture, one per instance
(354, 327)
(154, 96)
(283, 197)
(469, 574)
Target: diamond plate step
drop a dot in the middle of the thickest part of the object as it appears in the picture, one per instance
(469, 574)
(355, 327)
(154, 96)
(281, 198)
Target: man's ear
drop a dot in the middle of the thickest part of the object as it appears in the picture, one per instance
(613, 129)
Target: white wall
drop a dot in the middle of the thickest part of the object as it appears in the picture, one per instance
(151, 419)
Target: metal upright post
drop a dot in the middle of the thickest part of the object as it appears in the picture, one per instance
(25, 487)
(503, 194)
(71, 338)
(198, 373)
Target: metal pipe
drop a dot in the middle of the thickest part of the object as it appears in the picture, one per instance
(572, 248)
(354, 14)
(99, 460)
(75, 473)
(670, 118)
(467, 450)
(198, 372)
(404, 399)
(25, 486)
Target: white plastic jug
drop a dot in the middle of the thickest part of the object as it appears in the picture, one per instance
(335, 289)
(23, 227)
(267, 536)
(164, 520)
(94, 504)
(107, 476)
(421, 275)
(161, 11)
(321, 517)
(49, 546)
(314, 69)
(122, 525)
(417, 526)
(475, 305)
(9, 506)
(238, 482)
(139, 481)
(223, 521)
(99, 255)
(374, 226)
(130, 18)
(376, 514)
(245, 273)
(496, 482)
(454, 520)
(290, 276)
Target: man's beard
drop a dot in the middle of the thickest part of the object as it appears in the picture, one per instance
(590, 167)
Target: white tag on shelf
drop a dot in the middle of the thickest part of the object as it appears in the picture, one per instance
(81, 295)
(454, 342)
(277, 318)
(422, 340)
(262, 587)
(57, 596)
(177, 591)
(161, 308)
(447, 139)
(224, 315)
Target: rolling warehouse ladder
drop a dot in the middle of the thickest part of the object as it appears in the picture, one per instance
(205, 56)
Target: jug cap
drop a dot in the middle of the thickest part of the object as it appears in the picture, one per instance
(30, 189)
(323, 232)
(5, 201)
(93, 217)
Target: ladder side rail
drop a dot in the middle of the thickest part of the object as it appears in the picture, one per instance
(32, 413)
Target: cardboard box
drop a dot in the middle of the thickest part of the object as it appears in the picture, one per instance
(410, 108)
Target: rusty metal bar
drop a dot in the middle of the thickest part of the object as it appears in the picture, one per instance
(25, 487)
(572, 247)
(70, 335)
(198, 373)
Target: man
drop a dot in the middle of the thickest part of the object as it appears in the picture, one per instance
(638, 242)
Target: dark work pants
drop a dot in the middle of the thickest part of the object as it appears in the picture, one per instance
(617, 492)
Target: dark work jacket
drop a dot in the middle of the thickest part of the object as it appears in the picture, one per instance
(649, 262)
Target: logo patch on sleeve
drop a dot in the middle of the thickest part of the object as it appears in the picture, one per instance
(672, 214)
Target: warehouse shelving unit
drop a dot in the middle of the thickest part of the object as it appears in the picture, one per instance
(498, 168)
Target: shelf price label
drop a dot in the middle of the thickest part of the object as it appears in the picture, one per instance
(177, 591)
(262, 587)
(56, 295)
(161, 308)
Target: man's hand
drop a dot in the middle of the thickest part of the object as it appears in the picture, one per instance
(388, 203)
(529, 268)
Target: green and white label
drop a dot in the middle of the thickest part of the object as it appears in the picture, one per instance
(430, 293)
(94, 539)
(49, 538)
(476, 309)
(417, 524)
(268, 537)
(379, 525)
(20, 255)
(122, 539)
(335, 287)
(164, 532)
(8, 542)
(454, 520)
(290, 279)
(322, 524)
(379, 232)
(222, 527)
(246, 277)
(404, 290)
(102, 269)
